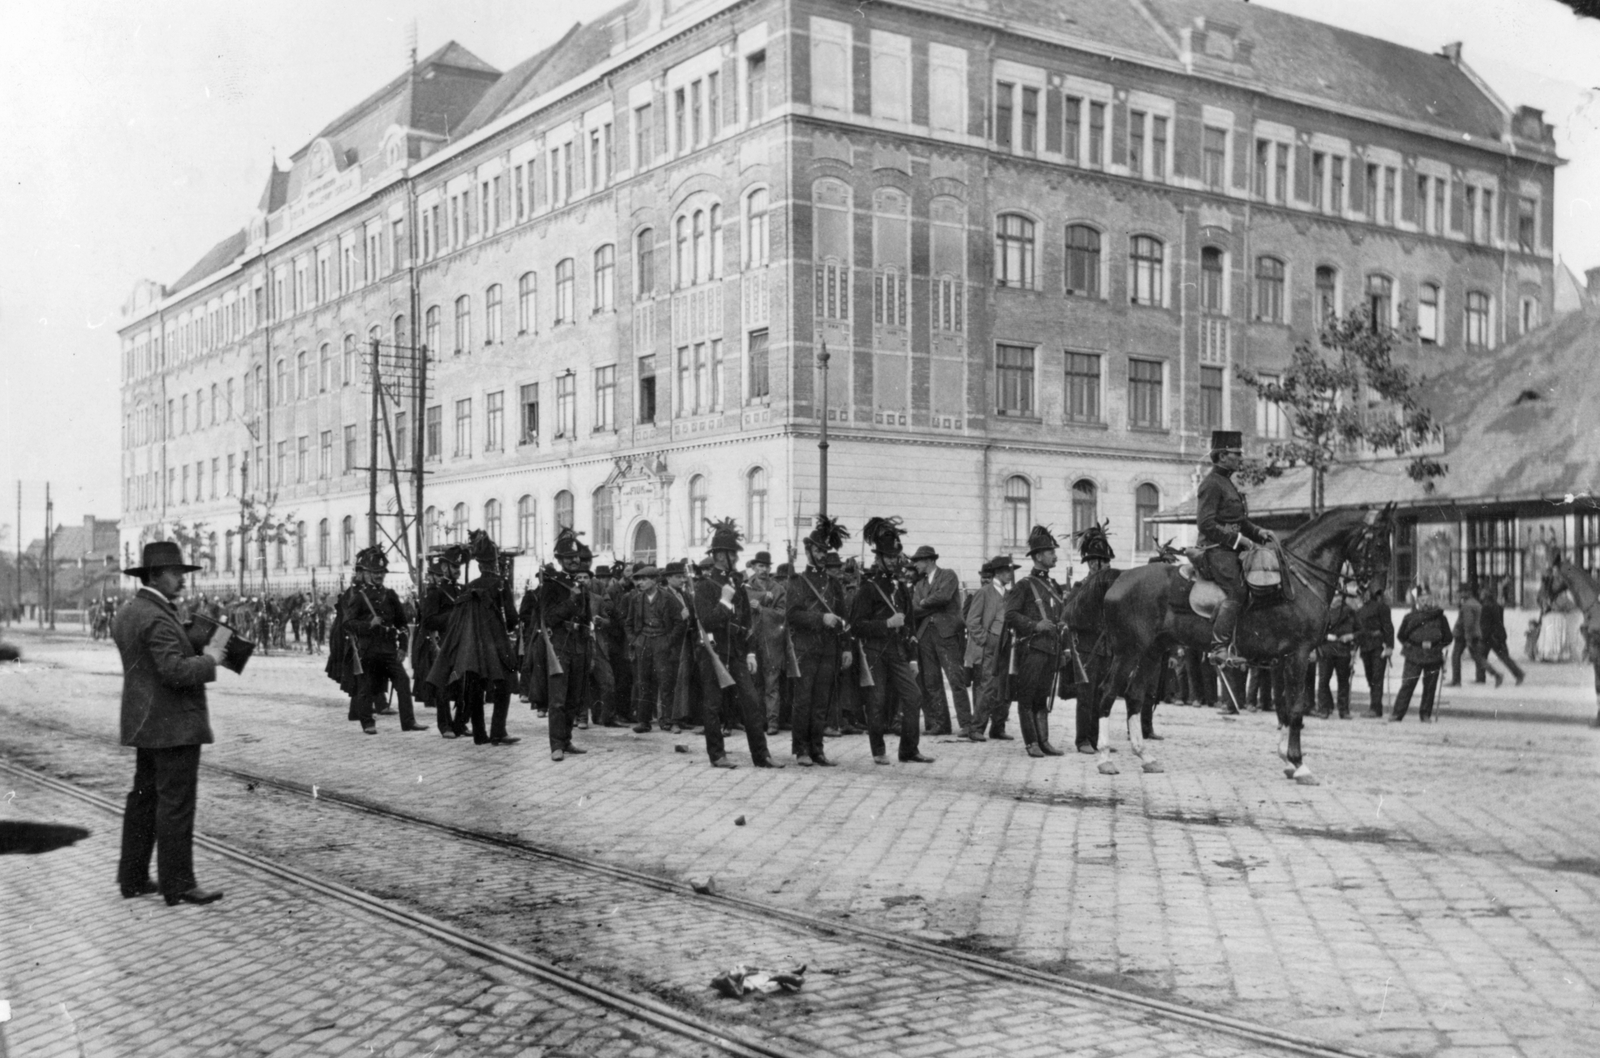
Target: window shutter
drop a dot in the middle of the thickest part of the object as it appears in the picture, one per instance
(1302, 172)
(1408, 191)
(1052, 119)
(1119, 132)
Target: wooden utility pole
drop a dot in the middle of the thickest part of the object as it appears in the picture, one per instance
(372, 451)
(822, 445)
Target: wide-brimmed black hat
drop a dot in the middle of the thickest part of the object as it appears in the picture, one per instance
(161, 554)
(925, 552)
(998, 563)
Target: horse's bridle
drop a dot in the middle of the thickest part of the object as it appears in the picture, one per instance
(1358, 556)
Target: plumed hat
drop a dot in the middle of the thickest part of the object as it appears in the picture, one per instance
(1094, 542)
(725, 535)
(1040, 539)
(372, 560)
(828, 535)
(567, 545)
(883, 535)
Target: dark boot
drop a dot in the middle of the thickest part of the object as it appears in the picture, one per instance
(1223, 627)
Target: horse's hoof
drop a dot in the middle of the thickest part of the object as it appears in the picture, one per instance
(1105, 767)
(1152, 767)
(1288, 773)
(1303, 777)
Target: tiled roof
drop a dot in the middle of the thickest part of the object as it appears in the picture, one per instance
(511, 85)
(1519, 424)
(585, 45)
(276, 193)
(450, 54)
(217, 258)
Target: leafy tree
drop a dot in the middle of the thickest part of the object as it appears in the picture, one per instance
(1325, 394)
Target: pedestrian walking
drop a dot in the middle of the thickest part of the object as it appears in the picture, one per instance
(1468, 635)
(165, 719)
(1423, 635)
(1493, 621)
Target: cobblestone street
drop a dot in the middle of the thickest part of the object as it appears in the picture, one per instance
(1436, 896)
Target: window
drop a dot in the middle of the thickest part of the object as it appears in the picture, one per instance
(1136, 129)
(430, 331)
(1030, 119)
(1145, 404)
(697, 509)
(605, 519)
(1004, 101)
(1336, 185)
(491, 315)
(680, 118)
(644, 258)
(527, 512)
(755, 507)
(564, 511)
(491, 519)
(1326, 304)
(463, 324)
(1373, 179)
(528, 397)
(755, 243)
(889, 297)
(1270, 423)
(463, 427)
(350, 455)
(756, 85)
(1097, 134)
(1146, 262)
(1319, 176)
(1072, 128)
(430, 529)
(1212, 277)
(433, 431)
(526, 289)
(1527, 224)
(1146, 503)
(281, 389)
(1014, 380)
(1211, 398)
(647, 389)
(1391, 190)
(1016, 513)
(1085, 504)
(685, 264)
(494, 414)
(1083, 387)
(760, 384)
(1269, 289)
(833, 291)
(347, 540)
(564, 310)
(1158, 148)
(890, 59)
(644, 136)
(713, 105)
(702, 381)
(1013, 245)
(300, 545)
(948, 314)
(282, 453)
(1477, 336)
(605, 266)
(1428, 313)
(702, 255)
(323, 542)
(1380, 301)
(605, 398)
(1083, 260)
(1493, 555)
(402, 437)
(1530, 314)
(460, 525)
(324, 455)
(567, 405)
(1216, 158)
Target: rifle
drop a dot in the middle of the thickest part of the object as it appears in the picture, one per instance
(552, 661)
(724, 677)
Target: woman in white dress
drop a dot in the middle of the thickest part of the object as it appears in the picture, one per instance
(1557, 633)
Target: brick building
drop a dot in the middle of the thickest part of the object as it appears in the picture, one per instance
(1035, 238)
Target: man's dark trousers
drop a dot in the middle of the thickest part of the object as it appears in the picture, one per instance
(159, 817)
(376, 668)
(740, 700)
(1327, 670)
(655, 668)
(473, 692)
(888, 666)
(566, 691)
(1375, 665)
(813, 692)
(939, 659)
(1095, 669)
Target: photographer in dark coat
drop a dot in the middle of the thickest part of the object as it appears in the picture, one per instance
(165, 719)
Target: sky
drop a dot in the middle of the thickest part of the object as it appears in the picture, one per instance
(136, 136)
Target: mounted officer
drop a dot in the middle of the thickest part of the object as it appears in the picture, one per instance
(1226, 530)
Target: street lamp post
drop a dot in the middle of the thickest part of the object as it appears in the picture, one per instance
(822, 444)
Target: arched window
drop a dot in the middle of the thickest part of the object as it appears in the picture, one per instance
(280, 557)
(1083, 261)
(644, 263)
(755, 228)
(755, 508)
(716, 248)
(281, 393)
(604, 519)
(347, 540)
(697, 509)
(463, 324)
(430, 529)
(564, 296)
(1380, 301)
(527, 510)
(1146, 262)
(1085, 504)
(459, 524)
(323, 542)
(702, 260)
(300, 545)
(605, 267)
(210, 556)
(683, 265)
(324, 370)
(1211, 281)
(430, 330)
(491, 314)
(1016, 516)
(1428, 313)
(1477, 333)
(527, 287)
(398, 329)
(1326, 304)
(227, 551)
(1146, 502)
(302, 375)
(491, 520)
(564, 516)
(1269, 289)
(1013, 251)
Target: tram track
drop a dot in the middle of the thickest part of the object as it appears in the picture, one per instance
(892, 944)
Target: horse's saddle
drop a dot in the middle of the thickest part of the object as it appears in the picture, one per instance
(1191, 591)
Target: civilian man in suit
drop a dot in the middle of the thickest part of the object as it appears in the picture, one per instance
(936, 611)
(986, 639)
(164, 717)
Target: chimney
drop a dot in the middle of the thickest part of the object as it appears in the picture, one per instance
(1452, 52)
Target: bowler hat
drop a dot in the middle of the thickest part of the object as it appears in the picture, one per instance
(762, 558)
(674, 569)
(160, 554)
(925, 552)
(998, 563)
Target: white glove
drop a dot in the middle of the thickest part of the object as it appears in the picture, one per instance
(750, 663)
(831, 620)
(727, 593)
(845, 660)
(897, 621)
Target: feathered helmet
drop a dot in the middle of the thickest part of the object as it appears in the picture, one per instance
(829, 534)
(1040, 539)
(567, 543)
(883, 534)
(372, 560)
(1095, 542)
(445, 561)
(725, 535)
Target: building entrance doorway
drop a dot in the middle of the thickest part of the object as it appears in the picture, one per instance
(644, 544)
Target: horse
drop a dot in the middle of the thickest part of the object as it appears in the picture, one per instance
(1142, 625)
(1587, 594)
